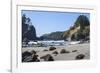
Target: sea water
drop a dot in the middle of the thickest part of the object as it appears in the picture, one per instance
(54, 42)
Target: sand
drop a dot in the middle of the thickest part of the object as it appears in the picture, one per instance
(74, 50)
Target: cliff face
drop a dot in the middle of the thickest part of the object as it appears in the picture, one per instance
(28, 30)
(80, 30)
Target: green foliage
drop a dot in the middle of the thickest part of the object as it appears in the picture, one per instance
(53, 36)
(82, 21)
(86, 31)
(29, 32)
(83, 32)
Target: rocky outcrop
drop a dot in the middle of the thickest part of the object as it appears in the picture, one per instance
(28, 30)
(30, 56)
(79, 31)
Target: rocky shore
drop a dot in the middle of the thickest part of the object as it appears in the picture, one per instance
(56, 53)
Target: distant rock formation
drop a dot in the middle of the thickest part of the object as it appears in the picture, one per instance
(58, 35)
(79, 31)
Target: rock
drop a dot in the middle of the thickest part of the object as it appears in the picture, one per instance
(47, 57)
(64, 51)
(35, 58)
(28, 31)
(55, 52)
(28, 59)
(30, 56)
(45, 50)
(33, 52)
(80, 56)
(26, 55)
(74, 50)
(52, 48)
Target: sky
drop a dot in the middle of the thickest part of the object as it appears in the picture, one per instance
(47, 22)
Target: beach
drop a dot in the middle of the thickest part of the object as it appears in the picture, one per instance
(69, 41)
(72, 51)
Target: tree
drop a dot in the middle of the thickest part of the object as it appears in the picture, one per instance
(28, 30)
(24, 26)
(82, 21)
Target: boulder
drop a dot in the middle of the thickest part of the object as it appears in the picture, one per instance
(52, 48)
(47, 57)
(55, 52)
(64, 51)
(25, 55)
(33, 52)
(35, 58)
(45, 50)
(80, 56)
(74, 50)
(30, 56)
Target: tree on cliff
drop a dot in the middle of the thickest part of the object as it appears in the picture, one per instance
(28, 30)
(83, 22)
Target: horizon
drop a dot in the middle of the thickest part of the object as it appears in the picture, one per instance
(46, 21)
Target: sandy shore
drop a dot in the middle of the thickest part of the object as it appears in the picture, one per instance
(73, 50)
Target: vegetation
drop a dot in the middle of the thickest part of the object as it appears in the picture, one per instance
(80, 30)
(53, 36)
(28, 30)
(82, 21)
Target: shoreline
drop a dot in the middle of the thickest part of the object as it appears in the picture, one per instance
(74, 50)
